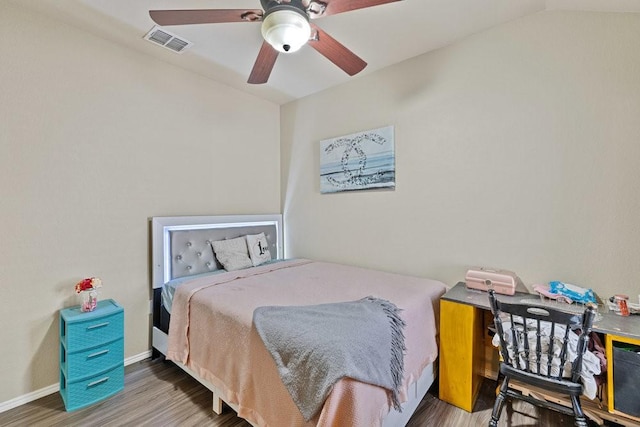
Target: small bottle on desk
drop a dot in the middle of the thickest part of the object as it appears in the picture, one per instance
(621, 302)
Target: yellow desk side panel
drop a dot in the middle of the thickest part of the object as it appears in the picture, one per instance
(610, 338)
(461, 353)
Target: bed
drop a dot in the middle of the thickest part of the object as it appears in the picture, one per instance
(213, 337)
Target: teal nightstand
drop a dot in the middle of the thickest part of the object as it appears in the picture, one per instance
(91, 354)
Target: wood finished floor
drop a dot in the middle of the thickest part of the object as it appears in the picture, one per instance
(160, 394)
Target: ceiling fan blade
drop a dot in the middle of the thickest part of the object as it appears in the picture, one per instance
(204, 16)
(335, 52)
(334, 7)
(263, 65)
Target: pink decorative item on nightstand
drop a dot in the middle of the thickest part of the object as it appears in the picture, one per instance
(87, 289)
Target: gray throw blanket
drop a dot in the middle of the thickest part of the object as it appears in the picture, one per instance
(316, 345)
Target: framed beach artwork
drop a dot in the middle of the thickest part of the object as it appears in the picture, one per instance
(361, 161)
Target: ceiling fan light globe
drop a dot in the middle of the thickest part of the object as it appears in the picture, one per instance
(286, 30)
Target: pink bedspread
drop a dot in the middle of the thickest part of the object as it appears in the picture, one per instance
(211, 332)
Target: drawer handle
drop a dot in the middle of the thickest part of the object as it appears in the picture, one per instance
(100, 353)
(99, 325)
(100, 381)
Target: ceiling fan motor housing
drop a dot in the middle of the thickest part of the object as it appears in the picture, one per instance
(285, 26)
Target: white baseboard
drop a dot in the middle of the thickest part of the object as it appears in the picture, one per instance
(29, 397)
(137, 358)
(54, 388)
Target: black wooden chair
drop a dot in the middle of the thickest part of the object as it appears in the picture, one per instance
(528, 357)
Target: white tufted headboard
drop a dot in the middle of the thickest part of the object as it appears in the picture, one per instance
(181, 245)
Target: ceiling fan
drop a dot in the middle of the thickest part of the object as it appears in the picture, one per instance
(285, 29)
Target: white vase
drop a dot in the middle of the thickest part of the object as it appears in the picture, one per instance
(88, 300)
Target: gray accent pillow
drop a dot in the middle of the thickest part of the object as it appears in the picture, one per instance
(232, 253)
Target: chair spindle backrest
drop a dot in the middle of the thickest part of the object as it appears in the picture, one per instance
(530, 322)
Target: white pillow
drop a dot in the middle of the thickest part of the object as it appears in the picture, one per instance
(258, 248)
(232, 253)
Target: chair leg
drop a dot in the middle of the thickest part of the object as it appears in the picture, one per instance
(499, 403)
(580, 419)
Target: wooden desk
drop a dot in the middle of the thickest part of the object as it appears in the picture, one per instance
(464, 317)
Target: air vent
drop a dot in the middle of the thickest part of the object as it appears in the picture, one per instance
(166, 39)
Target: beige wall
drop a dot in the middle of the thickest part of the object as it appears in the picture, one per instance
(94, 140)
(516, 148)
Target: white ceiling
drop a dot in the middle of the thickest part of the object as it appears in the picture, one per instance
(381, 35)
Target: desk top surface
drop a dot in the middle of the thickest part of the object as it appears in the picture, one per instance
(606, 322)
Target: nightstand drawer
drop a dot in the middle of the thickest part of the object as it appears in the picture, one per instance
(79, 394)
(93, 332)
(88, 362)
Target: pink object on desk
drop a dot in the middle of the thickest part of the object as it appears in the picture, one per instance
(503, 281)
(544, 291)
